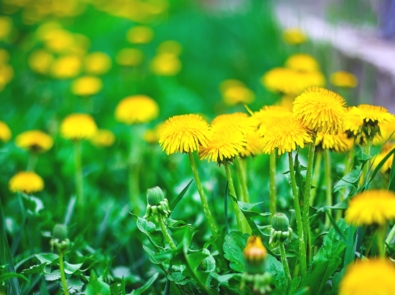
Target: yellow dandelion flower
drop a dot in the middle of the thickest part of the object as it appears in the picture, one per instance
(170, 47)
(294, 36)
(5, 27)
(287, 102)
(6, 73)
(353, 122)
(265, 116)
(129, 57)
(139, 35)
(238, 95)
(371, 207)
(40, 61)
(236, 122)
(387, 166)
(228, 83)
(335, 142)
(253, 144)
(78, 127)
(286, 135)
(86, 86)
(254, 250)
(374, 114)
(103, 138)
(58, 40)
(136, 109)
(66, 67)
(165, 65)
(5, 132)
(302, 62)
(4, 56)
(34, 140)
(387, 132)
(344, 79)
(223, 145)
(97, 63)
(26, 182)
(184, 134)
(368, 277)
(152, 135)
(320, 110)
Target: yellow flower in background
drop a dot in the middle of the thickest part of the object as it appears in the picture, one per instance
(140, 35)
(285, 134)
(40, 61)
(294, 36)
(237, 94)
(97, 63)
(344, 79)
(368, 277)
(66, 67)
(129, 57)
(6, 73)
(287, 102)
(253, 144)
(58, 40)
(5, 132)
(266, 114)
(372, 114)
(223, 145)
(152, 135)
(26, 182)
(103, 138)
(370, 208)
(136, 109)
(335, 142)
(184, 134)
(387, 132)
(5, 27)
(387, 166)
(78, 127)
(236, 122)
(302, 62)
(170, 47)
(254, 250)
(320, 110)
(4, 56)
(165, 65)
(86, 86)
(34, 141)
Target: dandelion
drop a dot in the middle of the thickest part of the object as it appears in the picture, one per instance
(136, 109)
(97, 63)
(253, 144)
(4, 56)
(170, 47)
(5, 27)
(294, 36)
(268, 114)
(34, 141)
(66, 67)
(5, 132)
(302, 62)
(344, 79)
(334, 142)
(387, 166)
(236, 122)
(140, 35)
(387, 132)
(58, 40)
(86, 86)
(152, 136)
(129, 57)
(374, 276)
(78, 126)
(40, 61)
(103, 138)
(26, 182)
(165, 65)
(236, 92)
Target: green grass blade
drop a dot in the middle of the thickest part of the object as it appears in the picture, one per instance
(179, 197)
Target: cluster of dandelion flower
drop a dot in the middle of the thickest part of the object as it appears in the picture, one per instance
(157, 204)
(280, 230)
(60, 240)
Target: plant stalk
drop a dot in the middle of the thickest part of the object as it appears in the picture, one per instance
(245, 197)
(133, 174)
(381, 233)
(78, 175)
(32, 161)
(165, 232)
(285, 265)
(272, 177)
(316, 176)
(62, 273)
(328, 184)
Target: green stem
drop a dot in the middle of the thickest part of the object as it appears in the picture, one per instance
(133, 171)
(347, 169)
(78, 175)
(366, 167)
(381, 233)
(285, 265)
(328, 183)
(166, 234)
(306, 196)
(298, 217)
(242, 223)
(203, 198)
(62, 274)
(316, 177)
(272, 175)
(242, 179)
(32, 161)
(390, 236)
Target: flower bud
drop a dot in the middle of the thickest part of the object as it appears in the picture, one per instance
(60, 232)
(255, 254)
(280, 222)
(155, 196)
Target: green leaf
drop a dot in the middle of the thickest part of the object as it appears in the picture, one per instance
(276, 268)
(71, 268)
(38, 268)
(233, 247)
(174, 203)
(96, 287)
(146, 286)
(382, 162)
(157, 258)
(53, 276)
(12, 275)
(335, 227)
(74, 285)
(149, 229)
(47, 258)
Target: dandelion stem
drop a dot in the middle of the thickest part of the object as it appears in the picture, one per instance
(166, 234)
(242, 179)
(366, 167)
(272, 175)
(285, 265)
(62, 274)
(203, 198)
(390, 236)
(133, 171)
(32, 161)
(328, 183)
(381, 232)
(298, 216)
(347, 169)
(78, 175)
(316, 177)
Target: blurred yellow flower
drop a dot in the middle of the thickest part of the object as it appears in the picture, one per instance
(6, 73)
(5, 27)
(26, 182)
(285, 134)
(66, 67)
(335, 142)
(58, 40)
(237, 94)
(370, 208)
(320, 110)
(165, 65)
(287, 102)
(302, 62)
(136, 109)
(253, 144)
(5, 132)
(34, 141)
(387, 166)
(266, 114)
(368, 277)
(170, 47)
(129, 57)
(140, 35)
(372, 114)
(353, 122)
(236, 122)
(152, 135)
(344, 79)
(387, 132)
(254, 250)
(103, 138)
(86, 86)
(184, 134)
(294, 36)
(78, 127)
(4, 56)
(97, 63)
(40, 61)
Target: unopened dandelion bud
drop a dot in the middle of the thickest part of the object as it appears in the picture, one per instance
(157, 205)
(255, 254)
(60, 240)
(280, 231)
(155, 196)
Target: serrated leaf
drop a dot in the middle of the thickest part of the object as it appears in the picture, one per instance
(97, 287)
(149, 229)
(275, 267)
(233, 247)
(38, 268)
(53, 276)
(71, 268)
(174, 203)
(47, 258)
(74, 285)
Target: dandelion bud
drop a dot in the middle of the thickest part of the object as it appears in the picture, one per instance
(155, 196)
(280, 231)
(255, 254)
(60, 232)
(156, 204)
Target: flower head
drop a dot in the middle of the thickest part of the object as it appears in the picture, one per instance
(78, 126)
(40, 61)
(294, 36)
(387, 166)
(26, 182)
(302, 62)
(170, 47)
(267, 114)
(129, 57)
(335, 142)
(254, 252)
(320, 110)
(140, 35)
(97, 63)
(184, 134)
(374, 276)
(236, 122)
(285, 135)
(103, 138)
(387, 132)
(34, 140)
(165, 64)
(66, 67)
(253, 144)
(344, 79)
(236, 92)
(371, 207)
(86, 86)
(136, 109)
(5, 27)
(5, 132)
